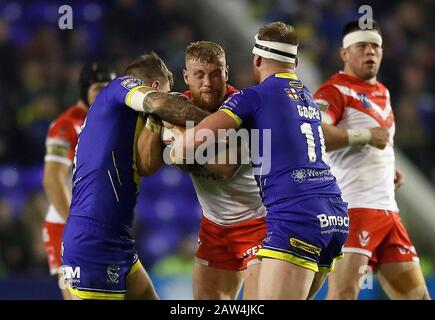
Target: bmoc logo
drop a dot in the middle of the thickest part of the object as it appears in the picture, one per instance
(70, 274)
(332, 221)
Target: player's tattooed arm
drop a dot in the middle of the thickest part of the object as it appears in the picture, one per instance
(173, 108)
(150, 150)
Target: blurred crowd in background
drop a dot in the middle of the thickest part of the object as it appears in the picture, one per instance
(39, 67)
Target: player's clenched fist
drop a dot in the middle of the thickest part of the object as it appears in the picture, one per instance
(379, 137)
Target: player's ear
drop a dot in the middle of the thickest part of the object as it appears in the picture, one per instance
(185, 76)
(343, 54)
(296, 61)
(227, 67)
(156, 85)
(257, 60)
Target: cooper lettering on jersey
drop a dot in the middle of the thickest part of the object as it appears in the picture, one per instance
(308, 112)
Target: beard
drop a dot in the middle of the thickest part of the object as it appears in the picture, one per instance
(368, 72)
(208, 102)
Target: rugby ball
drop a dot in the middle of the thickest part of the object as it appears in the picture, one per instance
(167, 137)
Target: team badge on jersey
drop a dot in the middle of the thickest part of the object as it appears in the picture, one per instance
(130, 82)
(292, 93)
(113, 273)
(364, 100)
(364, 238)
(322, 104)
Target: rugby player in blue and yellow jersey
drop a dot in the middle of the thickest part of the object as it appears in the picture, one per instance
(98, 253)
(307, 222)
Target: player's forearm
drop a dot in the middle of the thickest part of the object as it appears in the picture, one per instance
(227, 160)
(150, 153)
(58, 194)
(226, 171)
(335, 138)
(174, 109)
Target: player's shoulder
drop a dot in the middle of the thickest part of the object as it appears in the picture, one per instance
(381, 87)
(67, 122)
(64, 119)
(242, 95)
(335, 79)
(75, 113)
(128, 82)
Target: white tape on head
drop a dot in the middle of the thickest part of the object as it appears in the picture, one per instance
(283, 52)
(362, 36)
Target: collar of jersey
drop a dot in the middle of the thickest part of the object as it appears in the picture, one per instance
(286, 75)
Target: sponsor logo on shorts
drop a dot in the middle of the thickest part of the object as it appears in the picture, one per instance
(364, 238)
(305, 246)
(407, 250)
(113, 273)
(333, 223)
(251, 252)
(70, 274)
(268, 236)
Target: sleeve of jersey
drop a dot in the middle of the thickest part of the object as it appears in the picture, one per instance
(239, 106)
(120, 91)
(330, 102)
(61, 142)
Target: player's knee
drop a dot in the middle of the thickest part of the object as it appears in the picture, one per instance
(211, 292)
(212, 295)
(344, 292)
(266, 294)
(419, 293)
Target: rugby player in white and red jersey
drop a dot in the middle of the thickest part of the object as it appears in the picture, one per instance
(60, 148)
(359, 140)
(232, 226)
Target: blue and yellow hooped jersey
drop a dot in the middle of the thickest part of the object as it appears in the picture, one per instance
(297, 167)
(105, 176)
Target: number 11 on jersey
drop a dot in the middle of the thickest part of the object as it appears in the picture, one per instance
(307, 130)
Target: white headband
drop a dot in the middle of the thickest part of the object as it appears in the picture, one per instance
(362, 36)
(283, 52)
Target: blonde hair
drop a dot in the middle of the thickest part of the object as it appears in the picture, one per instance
(279, 32)
(205, 51)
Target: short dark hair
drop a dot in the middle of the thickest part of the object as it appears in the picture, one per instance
(93, 72)
(279, 32)
(150, 67)
(354, 26)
